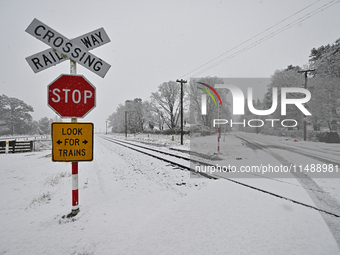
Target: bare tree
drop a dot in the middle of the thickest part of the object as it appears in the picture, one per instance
(167, 102)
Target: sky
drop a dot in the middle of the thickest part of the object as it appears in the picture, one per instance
(157, 41)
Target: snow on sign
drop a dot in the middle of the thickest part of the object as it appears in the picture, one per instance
(50, 57)
(71, 96)
(72, 142)
(67, 49)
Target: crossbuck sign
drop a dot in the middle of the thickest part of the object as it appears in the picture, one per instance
(63, 49)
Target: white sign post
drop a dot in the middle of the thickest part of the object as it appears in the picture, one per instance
(63, 49)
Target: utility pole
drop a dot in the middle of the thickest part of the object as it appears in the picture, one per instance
(181, 81)
(218, 129)
(304, 116)
(126, 123)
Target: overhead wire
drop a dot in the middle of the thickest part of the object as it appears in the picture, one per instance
(251, 38)
(306, 16)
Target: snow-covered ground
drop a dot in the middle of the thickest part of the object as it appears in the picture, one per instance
(133, 204)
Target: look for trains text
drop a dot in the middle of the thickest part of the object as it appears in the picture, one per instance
(72, 142)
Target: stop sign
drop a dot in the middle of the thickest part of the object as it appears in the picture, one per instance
(71, 96)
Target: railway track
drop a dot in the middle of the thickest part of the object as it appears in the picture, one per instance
(330, 205)
(183, 162)
(176, 159)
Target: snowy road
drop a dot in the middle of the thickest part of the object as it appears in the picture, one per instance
(325, 192)
(326, 153)
(133, 204)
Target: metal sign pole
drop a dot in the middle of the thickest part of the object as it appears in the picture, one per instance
(75, 197)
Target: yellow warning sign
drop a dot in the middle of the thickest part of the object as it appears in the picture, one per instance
(72, 142)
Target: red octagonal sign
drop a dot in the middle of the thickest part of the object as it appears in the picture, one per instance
(71, 96)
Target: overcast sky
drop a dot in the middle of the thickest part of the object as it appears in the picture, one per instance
(158, 41)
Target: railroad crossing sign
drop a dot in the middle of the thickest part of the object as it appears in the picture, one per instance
(72, 142)
(63, 49)
(71, 96)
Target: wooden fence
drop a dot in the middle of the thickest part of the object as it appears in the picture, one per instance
(16, 146)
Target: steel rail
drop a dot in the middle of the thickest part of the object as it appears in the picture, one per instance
(140, 149)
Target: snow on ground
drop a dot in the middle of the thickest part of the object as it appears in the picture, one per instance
(329, 181)
(132, 204)
(158, 139)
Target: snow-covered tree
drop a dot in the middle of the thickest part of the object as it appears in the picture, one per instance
(195, 96)
(288, 77)
(15, 113)
(326, 60)
(167, 102)
(325, 101)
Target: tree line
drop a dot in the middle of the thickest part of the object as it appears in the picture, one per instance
(162, 110)
(15, 118)
(323, 82)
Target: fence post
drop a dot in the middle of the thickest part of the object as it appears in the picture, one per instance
(7, 147)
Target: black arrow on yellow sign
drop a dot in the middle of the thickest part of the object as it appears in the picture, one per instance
(59, 142)
(85, 142)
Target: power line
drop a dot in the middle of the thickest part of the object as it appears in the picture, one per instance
(269, 36)
(306, 16)
(256, 43)
(251, 38)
